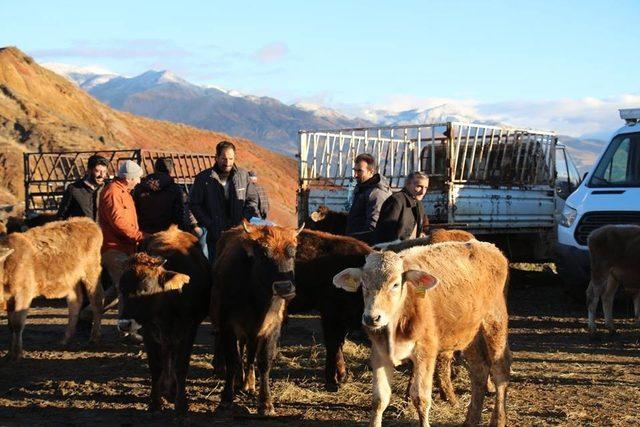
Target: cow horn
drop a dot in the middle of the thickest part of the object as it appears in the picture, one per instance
(244, 225)
(300, 229)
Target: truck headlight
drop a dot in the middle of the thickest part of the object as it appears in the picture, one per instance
(568, 216)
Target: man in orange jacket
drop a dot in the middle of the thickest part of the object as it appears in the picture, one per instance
(119, 224)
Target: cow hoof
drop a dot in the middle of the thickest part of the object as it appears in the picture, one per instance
(332, 387)
(267, 410)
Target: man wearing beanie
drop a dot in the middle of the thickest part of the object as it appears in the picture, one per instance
(119, 224)
(161, 202)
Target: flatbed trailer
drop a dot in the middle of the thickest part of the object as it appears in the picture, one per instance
(496, 182)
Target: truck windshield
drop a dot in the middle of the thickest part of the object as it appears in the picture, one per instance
(620, 165)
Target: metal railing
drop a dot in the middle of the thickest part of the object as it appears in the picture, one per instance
(460, 153)
(46, 175)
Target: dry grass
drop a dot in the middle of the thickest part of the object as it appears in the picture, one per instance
(559, 377)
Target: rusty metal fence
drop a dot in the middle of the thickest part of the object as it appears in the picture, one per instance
(46, 175)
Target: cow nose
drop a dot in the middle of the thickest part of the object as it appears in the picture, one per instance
(370, 320)
(285, 289)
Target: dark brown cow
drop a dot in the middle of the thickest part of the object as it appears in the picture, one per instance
(166, 290)
(324, 219)
(253, 282)
(615, 260)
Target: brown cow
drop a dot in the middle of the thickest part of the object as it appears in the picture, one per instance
(407, 316)
(615, 260)
(324, 219)
(253, 282)
(54, 261)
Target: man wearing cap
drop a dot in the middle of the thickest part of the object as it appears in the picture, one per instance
(119, 223)
(263, 200)
(160, 201)
(82, 196)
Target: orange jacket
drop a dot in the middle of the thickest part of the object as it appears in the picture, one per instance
(118, 219)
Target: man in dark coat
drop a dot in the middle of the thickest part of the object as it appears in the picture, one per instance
(402, 215)
(160, 201)
(369, 195)
(263, 200)
(81, 196)
(222, 196)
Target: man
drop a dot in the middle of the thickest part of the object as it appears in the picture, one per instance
(222, 196)
(119, 223)
(263, 201)
(402, 215)
(161, 202)
(369, 195)
(81, 197)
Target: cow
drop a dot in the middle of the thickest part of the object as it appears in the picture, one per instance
(166, 290)
(56, 260)
(324, 219)
(253, 282)
(615, 260)
(322, 255)
(432, 299)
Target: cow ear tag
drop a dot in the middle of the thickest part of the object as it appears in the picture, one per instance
(421, 282)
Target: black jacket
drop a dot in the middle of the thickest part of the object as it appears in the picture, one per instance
(399, 215)
(160, 202)
(210, 207)
(80, 199)
(368, 198)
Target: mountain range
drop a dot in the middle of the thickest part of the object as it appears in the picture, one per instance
(271, 123)
(165, 96)
(42, 111)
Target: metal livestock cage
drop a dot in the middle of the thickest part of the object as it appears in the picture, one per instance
(46, 175)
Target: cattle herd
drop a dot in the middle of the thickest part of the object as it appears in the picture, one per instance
(418, 301)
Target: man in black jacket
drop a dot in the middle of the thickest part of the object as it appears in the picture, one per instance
(402, 215)
(222, 196)
(369, 195)
(81, 196)
(161, 202)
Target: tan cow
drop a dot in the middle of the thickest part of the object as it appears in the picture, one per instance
(54, 261)
(432, 299)
(615, 260)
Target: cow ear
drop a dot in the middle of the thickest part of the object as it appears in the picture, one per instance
(4, 253)
(421, 280)
(348, 279)
(174, 281)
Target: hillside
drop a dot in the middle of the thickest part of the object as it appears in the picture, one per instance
(40, 110)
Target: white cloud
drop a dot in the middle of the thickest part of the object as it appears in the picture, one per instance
(272, 52)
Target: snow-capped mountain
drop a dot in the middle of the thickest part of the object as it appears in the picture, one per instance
(85, 77)
(438, 114)
(165, 96)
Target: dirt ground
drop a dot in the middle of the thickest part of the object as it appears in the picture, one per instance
(560, 376)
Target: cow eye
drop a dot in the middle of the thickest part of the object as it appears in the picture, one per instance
(291, 251)
(396, 286)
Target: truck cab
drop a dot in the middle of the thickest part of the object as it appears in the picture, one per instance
(609, 194)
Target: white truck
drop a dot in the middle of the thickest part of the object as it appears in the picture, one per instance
(503, 184)
(609, 194)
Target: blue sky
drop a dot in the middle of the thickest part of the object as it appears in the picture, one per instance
(395, 53)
